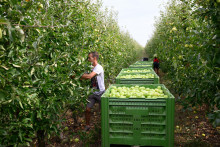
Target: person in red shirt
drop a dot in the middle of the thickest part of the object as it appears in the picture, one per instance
(156, 65)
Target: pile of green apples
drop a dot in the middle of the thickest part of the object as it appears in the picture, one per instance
(135, 76)
(144, 63)
(137, 92)
(141, 65)
(138, 70)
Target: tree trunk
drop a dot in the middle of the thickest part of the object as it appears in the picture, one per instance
(40, 138)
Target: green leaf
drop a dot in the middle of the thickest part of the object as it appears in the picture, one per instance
(35, 44)
(32, 71)
(28, 139)
(25, 120)
(17, 66)
(20, 135)
(0, 33)
(39, 115)
(2, 47)
(4, 67)
(21, 104)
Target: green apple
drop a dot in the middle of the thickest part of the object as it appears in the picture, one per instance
(165, 96)
(114, 87)
(66, 129)
(76, 139)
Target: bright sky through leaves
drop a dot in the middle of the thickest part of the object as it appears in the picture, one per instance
(137, 16)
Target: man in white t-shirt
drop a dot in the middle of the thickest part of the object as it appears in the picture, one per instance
(97, 82)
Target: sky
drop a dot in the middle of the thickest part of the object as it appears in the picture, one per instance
(137, 16)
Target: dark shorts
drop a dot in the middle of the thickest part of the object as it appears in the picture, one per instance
(94, 98)
(156, 65)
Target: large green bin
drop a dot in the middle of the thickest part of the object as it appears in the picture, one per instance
(136, 70)
(137, 121)
(144, 62)
(154, 80)
(141, 66)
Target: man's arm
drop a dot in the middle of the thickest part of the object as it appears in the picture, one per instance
(88, 76)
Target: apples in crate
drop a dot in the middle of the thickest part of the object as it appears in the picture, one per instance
(137, 92)
(136, 76)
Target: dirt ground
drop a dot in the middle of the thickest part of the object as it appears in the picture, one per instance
(192, 128)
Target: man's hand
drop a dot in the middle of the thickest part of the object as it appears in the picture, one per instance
(88, 76)
(72, 76)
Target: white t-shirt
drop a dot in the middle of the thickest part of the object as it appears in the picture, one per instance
(98, 69)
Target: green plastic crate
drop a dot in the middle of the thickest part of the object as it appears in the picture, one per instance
(154, 80)
(139, 69)
(141, 66)
(144, 62)
(137, 121)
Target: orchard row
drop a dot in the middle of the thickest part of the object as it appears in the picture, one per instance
(42, 43)
(187, 41)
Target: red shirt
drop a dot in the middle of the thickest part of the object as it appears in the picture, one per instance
(156, 60)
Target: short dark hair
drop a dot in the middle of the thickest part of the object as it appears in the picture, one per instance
(95, 54)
